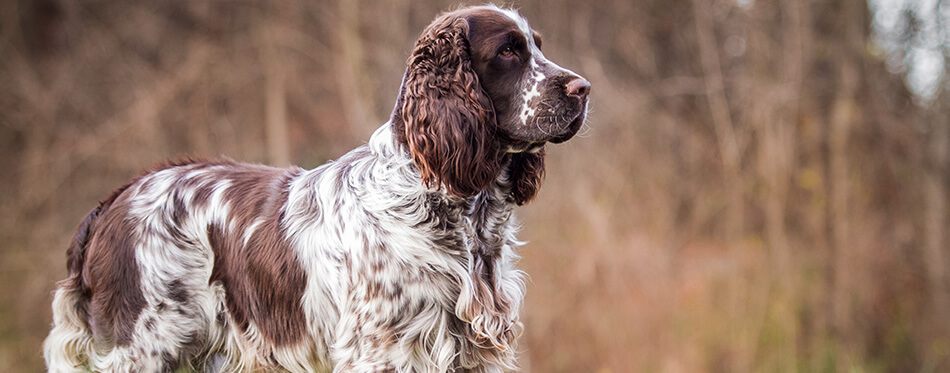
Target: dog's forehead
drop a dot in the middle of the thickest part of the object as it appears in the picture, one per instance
(518, 19)
(530, 35)
(497, 18)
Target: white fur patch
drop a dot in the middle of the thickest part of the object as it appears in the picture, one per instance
(537, 76)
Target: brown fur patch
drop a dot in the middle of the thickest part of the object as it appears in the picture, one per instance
(526, 173)
(263, 281)
(111, 274)
(444, 116)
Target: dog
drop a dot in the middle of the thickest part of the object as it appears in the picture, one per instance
(398, 257)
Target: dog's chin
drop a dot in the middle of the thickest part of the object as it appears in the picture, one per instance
(571, 130)
(528, 142)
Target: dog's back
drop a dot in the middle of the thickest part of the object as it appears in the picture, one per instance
(145, 283)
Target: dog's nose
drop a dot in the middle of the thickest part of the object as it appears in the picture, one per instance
(578, 87)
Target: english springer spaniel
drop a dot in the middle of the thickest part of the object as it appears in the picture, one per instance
(398, 257)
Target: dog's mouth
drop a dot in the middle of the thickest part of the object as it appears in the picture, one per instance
(557, 126)
(520, 144)
(571, 129)
(513, 145)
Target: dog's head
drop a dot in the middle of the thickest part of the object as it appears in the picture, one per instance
(479, 97)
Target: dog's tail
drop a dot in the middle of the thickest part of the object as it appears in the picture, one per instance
(67, 347)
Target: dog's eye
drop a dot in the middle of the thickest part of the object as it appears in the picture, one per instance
(507, 52)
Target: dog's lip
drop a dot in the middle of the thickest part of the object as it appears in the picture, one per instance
(513, 143)
(532, 146)
(571, 129)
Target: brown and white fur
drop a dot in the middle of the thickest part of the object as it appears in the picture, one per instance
(399, 256)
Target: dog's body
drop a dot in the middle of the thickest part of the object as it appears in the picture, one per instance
(399, 256)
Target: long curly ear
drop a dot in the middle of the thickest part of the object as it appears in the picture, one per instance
(525, 173)
(444, 115)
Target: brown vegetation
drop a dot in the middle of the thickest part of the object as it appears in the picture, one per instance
(756, 191)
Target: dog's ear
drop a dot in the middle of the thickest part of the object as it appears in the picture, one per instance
(444, 116)
(525, 173)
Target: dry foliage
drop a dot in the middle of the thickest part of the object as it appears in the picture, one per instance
(755, 191)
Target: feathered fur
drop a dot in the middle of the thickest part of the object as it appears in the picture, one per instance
(398, 257)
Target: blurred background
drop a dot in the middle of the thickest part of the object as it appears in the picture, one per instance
(762, 185)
